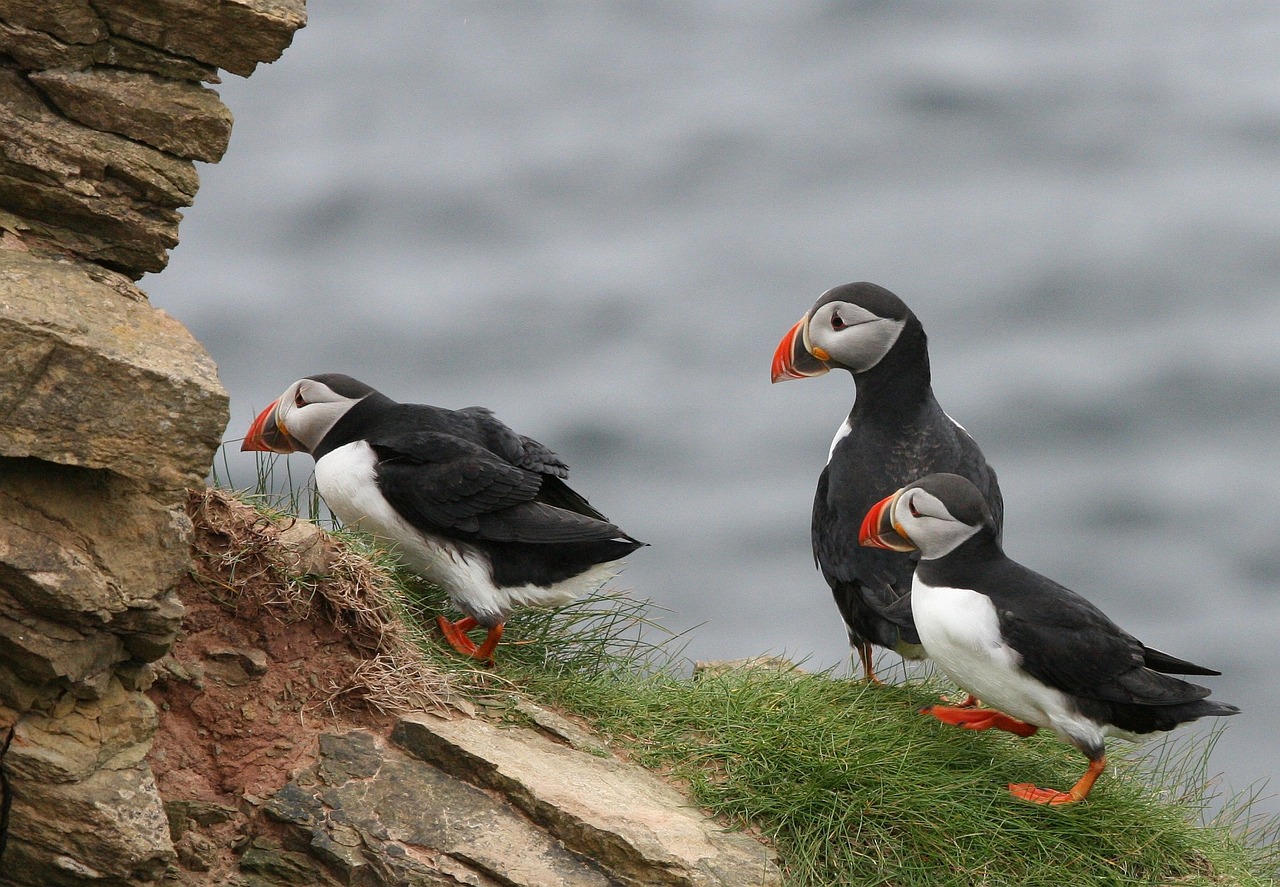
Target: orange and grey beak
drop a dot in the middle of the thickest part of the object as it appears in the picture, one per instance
(793, 360)
(878, 529)
(267, 434)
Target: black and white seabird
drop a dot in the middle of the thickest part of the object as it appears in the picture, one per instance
(895, 433)
(466, 502)
(1037, 653)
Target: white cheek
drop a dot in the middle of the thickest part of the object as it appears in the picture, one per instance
(861, 346)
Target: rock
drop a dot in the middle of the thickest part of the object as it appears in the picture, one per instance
(110, 411)
(36, 50)
(77, 737)
(100, 195)
(624, 818)
(302, 550)
(109, 830)
(718, 667)
(71, 21)
(179, 117)
(121, 53)
(363, 798)
(90, 375)
(231, 34)
(33, 50)
(235, 666)
(184, 814)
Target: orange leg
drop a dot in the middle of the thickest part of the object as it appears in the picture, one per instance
(979, 719)
(868, 670)
(485, 653)
(1028, 792)
(456, 634)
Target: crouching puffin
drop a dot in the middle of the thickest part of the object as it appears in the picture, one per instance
(466, 502)
(1037, 653)
(895, 433)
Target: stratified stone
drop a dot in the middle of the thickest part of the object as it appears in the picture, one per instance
(379, 816)
(121, 53)
(636, 827)
(71, 21)
(108, 830)
(232, 34)
(179, 117)
(34, 50)
(100, 195)
(90, 375)
(76, 737)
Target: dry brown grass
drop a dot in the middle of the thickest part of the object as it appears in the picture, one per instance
(290, 570)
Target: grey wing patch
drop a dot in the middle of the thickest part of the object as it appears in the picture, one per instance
(539, 457)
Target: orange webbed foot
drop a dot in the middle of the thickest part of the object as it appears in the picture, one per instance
(1078, 792)
(979, 719)
(456, 634)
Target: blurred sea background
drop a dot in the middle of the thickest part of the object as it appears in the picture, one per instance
(599, 219)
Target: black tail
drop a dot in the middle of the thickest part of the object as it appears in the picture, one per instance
(1163, 662)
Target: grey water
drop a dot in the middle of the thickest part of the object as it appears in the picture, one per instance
(599, 219)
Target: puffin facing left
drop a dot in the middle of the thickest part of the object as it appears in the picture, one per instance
(467, 503)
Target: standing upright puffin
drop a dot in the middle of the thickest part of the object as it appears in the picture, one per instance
(895, 433)
(467, 503)
(1036, 652)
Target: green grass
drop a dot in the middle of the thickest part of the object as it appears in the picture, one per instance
(849, 782)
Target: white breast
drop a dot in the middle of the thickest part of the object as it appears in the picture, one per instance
(961, 634)
(346, 479)
(841, 433)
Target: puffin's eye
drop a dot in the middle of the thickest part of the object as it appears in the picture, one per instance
(837, 322)
(911, 504)
(299, 400)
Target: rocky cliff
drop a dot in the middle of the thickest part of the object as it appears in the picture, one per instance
(197, 722)
(109, 409)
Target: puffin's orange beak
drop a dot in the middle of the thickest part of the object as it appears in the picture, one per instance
(267, 434)
(878, 529)
(792, 359)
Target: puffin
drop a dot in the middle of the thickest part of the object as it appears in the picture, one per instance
(1038, 654)
(467, 503)
(895, 433)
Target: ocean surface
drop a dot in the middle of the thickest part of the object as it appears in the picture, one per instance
(599, 219)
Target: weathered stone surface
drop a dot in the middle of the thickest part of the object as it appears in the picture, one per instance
(108, 830)
(363, 798)
(76, 737)
(232, 34)
(71, 21)
(639, 829)
(98, 194)
(34, 50)
(179, 117)
(122, 53)
(108, 410)
(90, 375)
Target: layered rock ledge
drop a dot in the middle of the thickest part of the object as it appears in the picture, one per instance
(109, 409)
